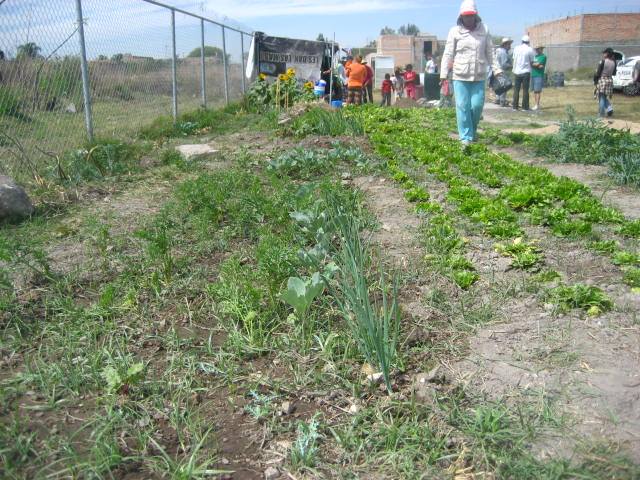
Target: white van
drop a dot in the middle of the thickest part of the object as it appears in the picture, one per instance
(624, 74)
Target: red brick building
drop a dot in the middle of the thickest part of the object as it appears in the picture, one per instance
(576, 42)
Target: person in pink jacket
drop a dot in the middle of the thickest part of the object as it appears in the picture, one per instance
(469, 54)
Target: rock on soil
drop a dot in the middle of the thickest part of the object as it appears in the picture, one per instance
(191, 151)
(14, 201)
(271, 473)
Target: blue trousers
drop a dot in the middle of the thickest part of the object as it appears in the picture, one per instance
(469, 105)
(603, 104)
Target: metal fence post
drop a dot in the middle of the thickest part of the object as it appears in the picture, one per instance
(224, 63)
(244, 88)
(203, 85)
(86, 89)
(174, 67)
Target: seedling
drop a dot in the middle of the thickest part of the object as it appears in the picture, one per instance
(301, 293)
(119, 381)
(632, 277)
(626, 258)
(525, 255)
(416, 194)
(304, 451)
(586, 297)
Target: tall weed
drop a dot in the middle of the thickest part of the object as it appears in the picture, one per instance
(375, 322)
(589, 142)
(319, 121)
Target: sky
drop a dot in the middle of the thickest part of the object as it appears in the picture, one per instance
(359, 21)
(133, 26)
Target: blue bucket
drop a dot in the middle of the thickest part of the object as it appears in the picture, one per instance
(320, 87)
(336, 103)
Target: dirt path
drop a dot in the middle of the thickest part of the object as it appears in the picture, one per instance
(399, 227)
(529, 122)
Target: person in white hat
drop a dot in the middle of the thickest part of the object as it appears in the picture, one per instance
(506, 63)
(523, 57)
(468, 55)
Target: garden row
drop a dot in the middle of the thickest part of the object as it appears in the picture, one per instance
(502, 196)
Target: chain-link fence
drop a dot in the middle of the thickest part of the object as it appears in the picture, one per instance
(75, 70)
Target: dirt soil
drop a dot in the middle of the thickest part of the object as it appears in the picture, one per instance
(523, 121)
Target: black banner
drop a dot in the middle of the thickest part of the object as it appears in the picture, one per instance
(277, 54)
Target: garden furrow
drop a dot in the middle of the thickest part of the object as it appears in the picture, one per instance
(588, 364)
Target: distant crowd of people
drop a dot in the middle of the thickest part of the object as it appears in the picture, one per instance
(358, 76)
(468, 62)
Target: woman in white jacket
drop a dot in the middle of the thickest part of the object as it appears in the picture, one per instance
(469, 55)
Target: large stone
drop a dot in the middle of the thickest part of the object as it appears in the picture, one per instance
(198, 150)
(14, 201)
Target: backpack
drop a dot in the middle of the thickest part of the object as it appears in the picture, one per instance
(500, 84)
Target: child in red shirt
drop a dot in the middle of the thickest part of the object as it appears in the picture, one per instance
(410, 78)
(387, 88)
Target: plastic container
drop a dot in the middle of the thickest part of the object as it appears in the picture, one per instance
(320, 87)
(336, 103)
(558, 81)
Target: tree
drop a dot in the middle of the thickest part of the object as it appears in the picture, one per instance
(320, 38)
(117, 57)
(371, 44)
(28, 50)
(387, 31)
(210, 52)
(102, 57)
(409, 29)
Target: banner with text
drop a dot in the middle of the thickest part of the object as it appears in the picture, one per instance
(277, 54)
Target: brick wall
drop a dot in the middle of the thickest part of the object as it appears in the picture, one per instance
(566, 30)
(577, 42)
(611, 27)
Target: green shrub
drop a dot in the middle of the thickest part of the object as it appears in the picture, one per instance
(632, 277)
(104, 158)
(319, 121)
(301, 163)
(10, 103)
(60, 80)
(625, 169)
(172, 156)
(585, 297)
(588, 142)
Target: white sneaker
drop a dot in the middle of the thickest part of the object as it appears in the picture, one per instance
(535, 107)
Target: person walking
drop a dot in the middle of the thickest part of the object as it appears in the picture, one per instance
(410, 81)
(431, 67)
(367, 88)
(537, 75)
(523, 56)
(356, 73)
(400, 82)
(386, 89)
(468, 54)
(503, 56)
(603, 80)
